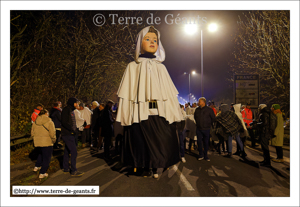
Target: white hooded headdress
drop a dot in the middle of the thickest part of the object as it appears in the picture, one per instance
(160, 53)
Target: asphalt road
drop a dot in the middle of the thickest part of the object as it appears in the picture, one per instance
(221, 177)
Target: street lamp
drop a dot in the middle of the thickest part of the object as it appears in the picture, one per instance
(191, 29)
(213, 27)
(193, 73)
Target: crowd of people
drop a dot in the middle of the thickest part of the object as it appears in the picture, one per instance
(234, 122)
(94, 124)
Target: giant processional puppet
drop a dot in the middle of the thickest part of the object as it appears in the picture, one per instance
(148, 107)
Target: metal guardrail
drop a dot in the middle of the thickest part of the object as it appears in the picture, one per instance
(20, 139)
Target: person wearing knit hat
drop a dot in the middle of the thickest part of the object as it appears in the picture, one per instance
(277, 141)
(276, 106)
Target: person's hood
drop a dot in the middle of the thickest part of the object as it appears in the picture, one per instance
(71, 102)
(42, 119)
(224, 108)
(237, 108)
(262, 106)
(160, 53)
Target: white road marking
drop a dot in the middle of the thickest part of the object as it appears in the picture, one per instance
(182, 178)
(219, 173)
(210, 172)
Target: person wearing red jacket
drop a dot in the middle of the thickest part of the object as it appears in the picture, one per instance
(248, 118)
(36, 112)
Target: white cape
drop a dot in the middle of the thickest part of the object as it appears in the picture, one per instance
(145, 80)
(142, 82)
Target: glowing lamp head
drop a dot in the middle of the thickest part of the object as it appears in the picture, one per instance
(213, 27)
(190, 29)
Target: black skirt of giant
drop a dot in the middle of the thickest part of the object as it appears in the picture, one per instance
(152, 143)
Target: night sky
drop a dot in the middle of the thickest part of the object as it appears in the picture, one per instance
(183, 53)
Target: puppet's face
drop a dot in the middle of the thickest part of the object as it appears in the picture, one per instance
(149, 43)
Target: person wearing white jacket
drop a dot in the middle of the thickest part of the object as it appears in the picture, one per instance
(86, 114)
(79, 123)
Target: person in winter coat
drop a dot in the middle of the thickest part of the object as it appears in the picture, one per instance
(86, 114)
(188, 109)
(68, 132)
(55, 115)
(100, 138)
(277, 141)
(79, 123)
(204, 117)
(228, 125)
(264, 132)
(248, 118)
(107, 128)
(36, 112)
(211, 104)
(43, 133)
(95, 125)
(239, 142)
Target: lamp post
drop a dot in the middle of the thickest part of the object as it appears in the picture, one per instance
(191, 29)
(193, 73)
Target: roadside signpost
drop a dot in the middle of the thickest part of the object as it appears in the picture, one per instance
(246, 89)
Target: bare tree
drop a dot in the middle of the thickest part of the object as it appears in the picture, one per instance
(262, 46)
(56, 55)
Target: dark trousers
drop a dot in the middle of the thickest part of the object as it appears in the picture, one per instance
(86, 135)
(265, 148)
(58, 132)
(44, 158)
(191, 141)
(118, 143)
(70, 148)
(95, 137)
(107, 143)
(221, 142)
(243, 139)
(76, 136)
(203, 142)
(181, 140)
(251, 133)
(279, 152)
